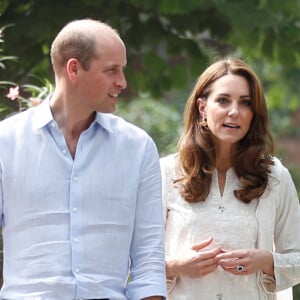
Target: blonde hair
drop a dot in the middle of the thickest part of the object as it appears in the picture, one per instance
(77, 40)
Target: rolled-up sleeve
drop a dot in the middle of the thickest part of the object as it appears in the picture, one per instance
(147, 275)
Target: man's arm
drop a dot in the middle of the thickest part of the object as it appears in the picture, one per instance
(147, 249)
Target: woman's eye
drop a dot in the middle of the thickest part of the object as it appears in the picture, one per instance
(246, 102)
(222, 100)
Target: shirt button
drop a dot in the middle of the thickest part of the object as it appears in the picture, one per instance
(74, 209)
(76, 270)
(64, 151)
(76, 240)
(75, 178)
(53, 124)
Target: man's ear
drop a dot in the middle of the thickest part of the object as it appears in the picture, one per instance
(73, 67)
(202, 107)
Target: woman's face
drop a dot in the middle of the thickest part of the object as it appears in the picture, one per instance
(228, 109)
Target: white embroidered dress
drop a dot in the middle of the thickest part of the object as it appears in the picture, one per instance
(234, 225)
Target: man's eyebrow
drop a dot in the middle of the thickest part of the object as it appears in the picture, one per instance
(113, 66)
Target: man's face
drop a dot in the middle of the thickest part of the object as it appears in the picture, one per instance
(100, 86)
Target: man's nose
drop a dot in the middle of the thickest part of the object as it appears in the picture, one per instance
(121, 81)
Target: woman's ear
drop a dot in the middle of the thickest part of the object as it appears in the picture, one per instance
(202, 107)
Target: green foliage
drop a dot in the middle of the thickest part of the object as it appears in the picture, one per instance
(28, 95)
(21, 96)
(295, 172)
(4, 58)
(296, 292)
(169, 41)
(161, 121)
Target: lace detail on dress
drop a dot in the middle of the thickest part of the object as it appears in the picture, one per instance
(274, 218)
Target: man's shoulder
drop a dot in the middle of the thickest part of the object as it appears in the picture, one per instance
(12, 121)
(119, 125)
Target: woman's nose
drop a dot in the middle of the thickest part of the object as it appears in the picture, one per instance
(233, 110)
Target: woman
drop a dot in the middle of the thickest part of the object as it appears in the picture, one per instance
(232, 212)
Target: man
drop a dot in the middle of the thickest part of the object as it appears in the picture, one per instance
(80, 189)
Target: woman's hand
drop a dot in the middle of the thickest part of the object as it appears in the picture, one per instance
(195, 262)
(251, 260)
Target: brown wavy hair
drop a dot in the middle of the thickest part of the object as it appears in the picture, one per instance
(197, 155)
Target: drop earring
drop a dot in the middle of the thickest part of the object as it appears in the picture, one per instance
(203, 122)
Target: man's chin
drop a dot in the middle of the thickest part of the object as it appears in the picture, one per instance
(108, 110)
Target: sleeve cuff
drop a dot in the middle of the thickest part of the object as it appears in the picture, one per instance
(268, 283)
(171, 283)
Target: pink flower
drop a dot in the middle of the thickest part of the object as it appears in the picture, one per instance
(35, 101)
(13, 93)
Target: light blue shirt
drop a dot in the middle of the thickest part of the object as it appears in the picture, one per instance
(70, 226)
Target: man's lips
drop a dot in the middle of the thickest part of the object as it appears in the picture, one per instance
(113, 95)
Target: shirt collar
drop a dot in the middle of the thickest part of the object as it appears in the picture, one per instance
(104, 120)
(44, 116)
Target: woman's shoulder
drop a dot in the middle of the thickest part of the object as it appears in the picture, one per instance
(278, 169)
(168, 161)
(169, 157)
(280, 175)
(169, 166)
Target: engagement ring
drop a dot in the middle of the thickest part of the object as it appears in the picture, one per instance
(240, 268)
